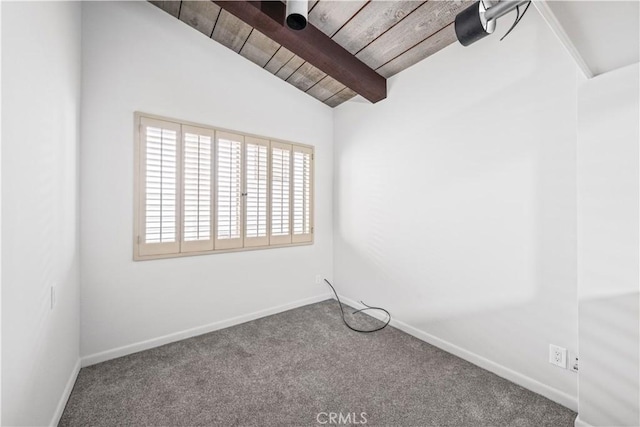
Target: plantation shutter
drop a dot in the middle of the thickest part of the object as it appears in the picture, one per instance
(229, 191)
(280, 193)
(302, 208)
(197, 202)
(257, 192)
(159, 151)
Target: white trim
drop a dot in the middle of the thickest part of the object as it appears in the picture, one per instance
(65, 395)
(103, 356)
(557, 29)
(529, 383)
(580, 423)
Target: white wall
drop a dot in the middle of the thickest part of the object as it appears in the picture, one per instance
(0, 217)
(608, 248)
(40, 128)
(455, 203)
(137, 57)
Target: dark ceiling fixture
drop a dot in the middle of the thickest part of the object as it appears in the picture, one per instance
(479, 20)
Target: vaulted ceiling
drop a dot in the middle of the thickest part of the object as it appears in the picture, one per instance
(606, 34)
(387, 36)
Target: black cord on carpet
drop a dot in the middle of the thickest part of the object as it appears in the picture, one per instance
(358, 311)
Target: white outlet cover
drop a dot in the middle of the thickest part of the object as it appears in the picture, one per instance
(558, 356)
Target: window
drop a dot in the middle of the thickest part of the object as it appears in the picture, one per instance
(204, 190)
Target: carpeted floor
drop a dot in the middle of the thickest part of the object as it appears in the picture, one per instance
(294, 369)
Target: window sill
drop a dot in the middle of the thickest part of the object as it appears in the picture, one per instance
(137, 257)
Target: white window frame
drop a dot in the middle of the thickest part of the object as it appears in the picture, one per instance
(197, 245)
(149, 251)
(237, 243)
(259, 241)
(302, 237)
(155, 249)
(284, 239)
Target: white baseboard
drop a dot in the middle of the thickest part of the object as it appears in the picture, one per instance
(529, 383)
(103, 356)
(65, 395)
(580, 423)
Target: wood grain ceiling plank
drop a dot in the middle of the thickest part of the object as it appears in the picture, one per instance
(201, 15)
(259, 48)
(281, 57)
(372, 21)
(325, 88)
(231, 31)
(290, 67)
(312, 4)
(418, 26)
(305, 77)
(340, 97)
(428, 47)
(329, 16)
(312, 45)
(171, 7)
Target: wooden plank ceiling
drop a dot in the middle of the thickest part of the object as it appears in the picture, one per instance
(388, 36)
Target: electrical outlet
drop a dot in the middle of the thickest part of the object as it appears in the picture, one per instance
(53, 296)
(558, 356)
(318, 279)
(573, 363)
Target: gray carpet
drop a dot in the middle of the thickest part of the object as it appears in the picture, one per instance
(287, 368)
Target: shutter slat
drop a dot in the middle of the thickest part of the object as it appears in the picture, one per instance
(301, 194)
(160, 184)
(197, 186)
(256, 171)
(229, 188)
(280, 187)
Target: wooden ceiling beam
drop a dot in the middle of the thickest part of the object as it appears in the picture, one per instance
(310, 44)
